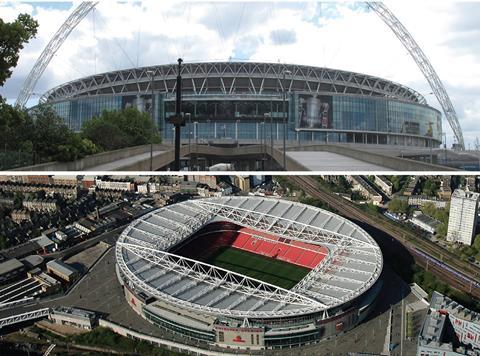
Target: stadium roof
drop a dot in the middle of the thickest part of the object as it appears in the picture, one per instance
(232, 78)
(353, 264)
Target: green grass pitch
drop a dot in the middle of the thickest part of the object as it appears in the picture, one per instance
(276, 272)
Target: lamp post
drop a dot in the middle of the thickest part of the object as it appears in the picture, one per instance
(265, 116)
(178, 119)
(284, 121)
(151, 74)
(189, 117)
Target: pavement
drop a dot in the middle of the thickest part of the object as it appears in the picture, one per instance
(117, 165)
(327, 161)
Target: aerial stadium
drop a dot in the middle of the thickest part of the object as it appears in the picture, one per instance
(244, 101)
(249, 272)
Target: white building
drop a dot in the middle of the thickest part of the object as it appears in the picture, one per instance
(463, 216)
(123, 185)
(426, 223)
(384, 184)
(421, 200)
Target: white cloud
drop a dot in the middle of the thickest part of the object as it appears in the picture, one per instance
(343, 36)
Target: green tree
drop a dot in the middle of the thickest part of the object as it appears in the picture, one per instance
(397, 205)
(53, 140)
(16, 127)
(430, 187)
(476, 243)
(117, 129)
(12, 38)
(398, 182)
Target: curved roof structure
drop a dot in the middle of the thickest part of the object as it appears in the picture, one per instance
(352, 265)
(232, 78)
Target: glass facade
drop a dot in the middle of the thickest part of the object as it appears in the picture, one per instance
(75, 112)
(326, 118)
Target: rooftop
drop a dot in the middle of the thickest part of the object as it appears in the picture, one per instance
(62, 267)
(10, 266)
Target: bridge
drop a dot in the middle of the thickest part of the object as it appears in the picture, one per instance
(27, 316)
(257, 156)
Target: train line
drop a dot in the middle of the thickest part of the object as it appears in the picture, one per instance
(441, 262)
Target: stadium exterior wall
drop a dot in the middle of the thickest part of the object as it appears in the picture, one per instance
(244, 101)
(310, 330)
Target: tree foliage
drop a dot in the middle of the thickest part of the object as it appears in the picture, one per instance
(117, 129)
(104, 337)
(397, 205)
(16, 127)
(430, 187)
(53, 139)
(398, 182)
(13, 36)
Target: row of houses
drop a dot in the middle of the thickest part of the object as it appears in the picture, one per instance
(361, 185)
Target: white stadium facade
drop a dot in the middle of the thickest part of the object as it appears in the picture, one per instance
(166, 280)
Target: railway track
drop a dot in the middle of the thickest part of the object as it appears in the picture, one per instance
(442, 263)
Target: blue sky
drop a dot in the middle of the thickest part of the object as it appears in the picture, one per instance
(338, 35)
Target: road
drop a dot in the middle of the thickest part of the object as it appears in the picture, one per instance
(448, 273)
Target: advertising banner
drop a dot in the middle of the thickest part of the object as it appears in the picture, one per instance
(315, 111)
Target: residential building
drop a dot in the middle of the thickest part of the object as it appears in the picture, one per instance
(209, 180)
(111, 184)
(361, 185)
(421, 200)
(6, 201)
(49, 189)
(67, 180)
(20, 215)
(412, 186)
(463, 216)
(471, 183)
(88, 182)
(242, 182)
(444, 313)
(40, 205)
(385, 185)
(445, 187)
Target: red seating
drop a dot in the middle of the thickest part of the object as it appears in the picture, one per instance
(296, 252)
(217, 235)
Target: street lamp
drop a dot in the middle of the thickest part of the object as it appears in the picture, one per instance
(189, 117)
(284, 120)
(151, 74)
(265, 116)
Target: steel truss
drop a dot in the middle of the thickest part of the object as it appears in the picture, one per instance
(284, 227)
(233, 78)
(423, 64)
(167, 237)
(213, 276)
(14, 319)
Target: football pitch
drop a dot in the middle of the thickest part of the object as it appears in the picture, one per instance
(278, 273)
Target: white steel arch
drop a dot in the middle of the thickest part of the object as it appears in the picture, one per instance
(379, 8)
(52, 47)
(424, 64)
